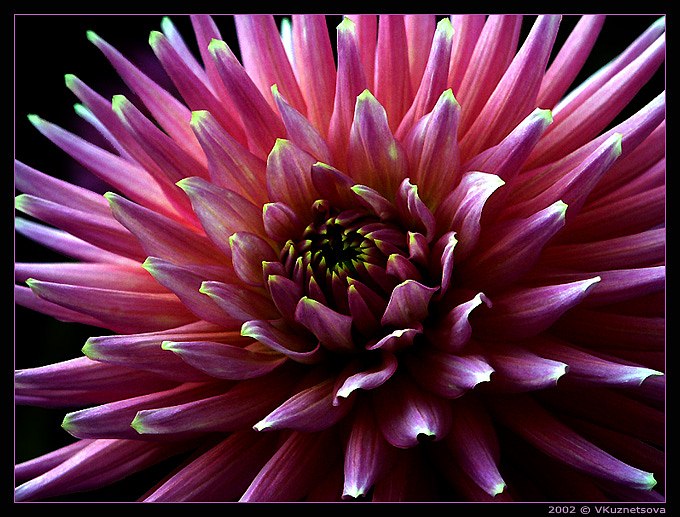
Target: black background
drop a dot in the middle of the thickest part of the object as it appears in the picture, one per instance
(46, 48)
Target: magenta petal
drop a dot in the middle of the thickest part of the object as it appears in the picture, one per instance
(285, 293)
(366, 455)
(334, 330)
(408, 304)
(281, 223)
(333, 185)
(395, 340)
(543, 431)
(294, 468)
(414, 213)
(98, 464)
(38, 466)
(526, 312)
(406, 414)
(309, 410)
(278, 337)
(474, 444)
(369, 379)
(225, 361)
(238, 302)
(466, 31)
(25, 297)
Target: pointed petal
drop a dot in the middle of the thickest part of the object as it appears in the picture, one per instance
(543, 431)
(375, 157)
(351, 81)
(221, 211)
(525, 312)
(300, 130)
(334, 330)
(369, 379)
(515, 95)
(420, 29)
(333, 185)
(123, 311)
(261, 124)
(517, 369)
(432, 149)
(225, 361)
(230, 164)
(406, 414)
(315, 68)
(25, 297)
(414, 213)
(248, 251)
(309, 410)
(452, 332)
(466, 31)
(264, 58)
(162, 237)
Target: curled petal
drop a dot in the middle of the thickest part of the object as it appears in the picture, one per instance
(277, 336)
(408, 304)
(368, 379)
(334, 330)
(333, 185)
(452, 332)
(413, 211)
(406, 414)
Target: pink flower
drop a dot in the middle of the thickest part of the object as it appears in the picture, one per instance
(432, 271)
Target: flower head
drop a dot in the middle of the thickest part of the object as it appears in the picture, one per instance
(430, 270)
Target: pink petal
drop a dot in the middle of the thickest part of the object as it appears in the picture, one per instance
(452, 332)
(261, 124)
(368, 379)
(432, 149)
(265, 60)
(334, 330)
(420, 28)
(367, 34)
(289, 178)
(435, 74)
(281, 223)
(376, 158)
(392, 84)
(515, 95)
(248, 252)
(334, 186)
(278, 337)
(408, 304)
(568, 62)
(466, 31)
(25, 297)
(414, 213)
(351, 81)
(230, 164)
(315, 68)
(186, 283)
(240, 303)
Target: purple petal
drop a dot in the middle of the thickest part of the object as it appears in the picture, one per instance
(408, 304)
(220, 474)
(100, 463)
(543, 431)
(248, 252)
(474, 444)
(225, 361)
(395, 340)
(452, 332)
(406, 414)
(448, 375)
(25, 297)
(240, 303)
(333, 185)
(294, 468)
(526, 312)
(334, 330)
(517, 369)
(369, 379)
(38, 466)
(278, 337)
(281, 223)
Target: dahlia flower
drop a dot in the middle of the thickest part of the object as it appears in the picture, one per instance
(412, 261)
